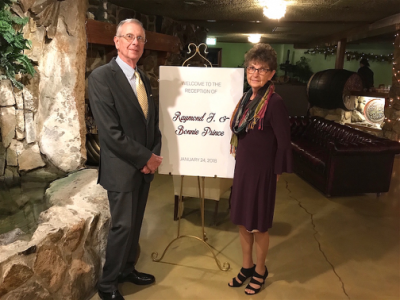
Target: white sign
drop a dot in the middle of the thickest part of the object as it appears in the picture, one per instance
(196, 106)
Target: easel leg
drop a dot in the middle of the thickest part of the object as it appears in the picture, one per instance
(225, 266)
(202, 193)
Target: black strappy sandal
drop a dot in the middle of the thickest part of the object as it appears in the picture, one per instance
(247, 273)
(260, 283)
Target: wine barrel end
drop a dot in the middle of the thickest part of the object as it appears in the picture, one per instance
(330, 89)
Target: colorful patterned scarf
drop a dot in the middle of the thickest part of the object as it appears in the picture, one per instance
(245, 116)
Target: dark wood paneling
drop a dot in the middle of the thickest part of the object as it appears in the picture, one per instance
(100, 33)
(103, 33)
(162, 42)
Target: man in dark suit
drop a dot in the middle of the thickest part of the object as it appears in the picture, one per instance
(130, 143)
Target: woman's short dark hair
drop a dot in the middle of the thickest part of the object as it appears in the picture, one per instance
(262, 53)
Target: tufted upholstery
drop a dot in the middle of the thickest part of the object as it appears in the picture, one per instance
(340, 160)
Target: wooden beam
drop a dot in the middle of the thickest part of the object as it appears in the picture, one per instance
(162, 42)
(340, 52)
(386, 22)
(386, 25)
(102, 33)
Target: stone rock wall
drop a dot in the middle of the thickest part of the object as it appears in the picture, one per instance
(19, 148)
(343, 117)
(45, 122)
(338, 115)
(63, 259)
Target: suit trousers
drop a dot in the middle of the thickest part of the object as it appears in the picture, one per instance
(127, 210)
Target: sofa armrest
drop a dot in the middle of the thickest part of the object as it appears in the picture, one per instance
(358, 171)
(363, 148)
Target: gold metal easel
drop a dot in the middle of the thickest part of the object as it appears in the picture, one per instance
(197, 52)
(225, 266)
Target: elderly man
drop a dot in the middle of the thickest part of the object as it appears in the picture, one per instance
(130, 140)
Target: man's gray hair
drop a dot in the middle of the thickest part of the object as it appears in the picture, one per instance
(136, 21)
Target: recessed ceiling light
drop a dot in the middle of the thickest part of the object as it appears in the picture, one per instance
(254, 38)
(275, 9)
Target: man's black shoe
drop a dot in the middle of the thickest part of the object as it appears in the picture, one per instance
(137, 278)
(111, 296)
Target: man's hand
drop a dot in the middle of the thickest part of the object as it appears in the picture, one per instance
(145, 170)
(153, 163)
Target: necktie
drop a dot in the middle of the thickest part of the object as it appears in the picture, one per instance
(141, 94)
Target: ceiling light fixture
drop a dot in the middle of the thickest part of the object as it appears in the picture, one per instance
(274, 9)
(254, 38)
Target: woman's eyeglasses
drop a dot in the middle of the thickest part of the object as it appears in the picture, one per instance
(130, 38)
(261, 71)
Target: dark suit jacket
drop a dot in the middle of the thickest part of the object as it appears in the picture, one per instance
(127, 139)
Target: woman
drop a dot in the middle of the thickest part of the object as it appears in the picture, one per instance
(261, 143)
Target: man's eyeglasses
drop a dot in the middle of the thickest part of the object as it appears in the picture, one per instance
(130, 38)
(261, 71)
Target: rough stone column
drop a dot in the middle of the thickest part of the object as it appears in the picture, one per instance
(60, 117)
(391, 128)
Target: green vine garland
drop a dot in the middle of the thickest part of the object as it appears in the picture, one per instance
(351, 55)
(12, 45)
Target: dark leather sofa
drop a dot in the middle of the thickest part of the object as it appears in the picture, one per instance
(340, 160)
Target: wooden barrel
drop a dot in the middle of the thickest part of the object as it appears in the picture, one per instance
(331, 89)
